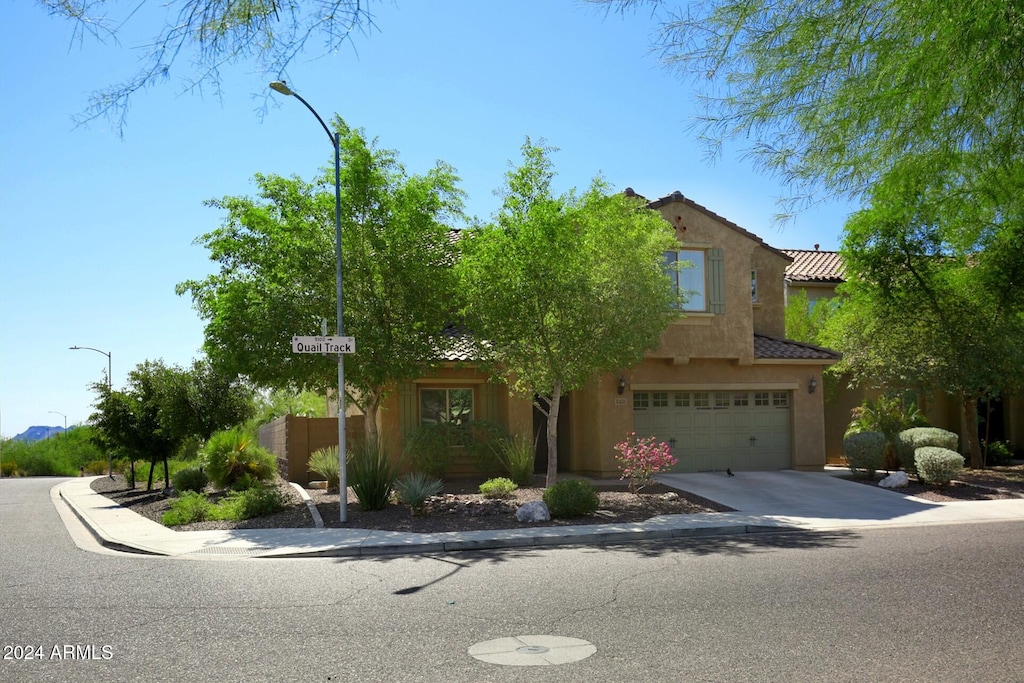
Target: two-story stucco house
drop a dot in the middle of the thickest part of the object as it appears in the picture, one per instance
(724, 387)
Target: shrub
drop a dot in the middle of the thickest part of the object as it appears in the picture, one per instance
(8, 468)
(258, 501)
(372, 477)
(414, 489)
(96, 467)
(499, 487)
(324, 462)
(230, 455)
(641, 459)
(571, 498)
(889, 415)
(517, 454)
(909, 440)
(190, 479)
(188, 508)
(864, 451)
(938, 465)
(998, 453)
(482, 440)
(430, 447)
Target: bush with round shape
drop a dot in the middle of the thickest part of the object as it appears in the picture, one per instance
(938, 465)
(231, 456)
(909, 440)
(499, 487)
(571, 498)
(865, 452)
(190, 479)
(414, 488)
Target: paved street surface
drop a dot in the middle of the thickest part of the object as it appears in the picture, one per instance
(910, 603)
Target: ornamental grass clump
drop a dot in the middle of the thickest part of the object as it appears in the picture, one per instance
(188, 508)
(937, 465)
(640, 459)
(865, 452)
(499, 487)
(324, 462)
(517, 454)
(909, 440)
(415, 488)
(571, 498)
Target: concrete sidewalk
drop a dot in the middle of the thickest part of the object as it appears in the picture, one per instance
(763, 501)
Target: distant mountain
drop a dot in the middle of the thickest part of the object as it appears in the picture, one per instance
(38, 433)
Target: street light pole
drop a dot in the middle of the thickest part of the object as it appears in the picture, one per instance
(281, 87)
(110, 454)
(61, 414)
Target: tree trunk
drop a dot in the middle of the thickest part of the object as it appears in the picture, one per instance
(971, 418)
(371, 407)
(556, 398)
(152, 466)
(167, 475)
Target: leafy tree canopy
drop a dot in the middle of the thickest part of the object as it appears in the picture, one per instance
(277, 274)
(564, 288)
(209, 35)
(835, 93)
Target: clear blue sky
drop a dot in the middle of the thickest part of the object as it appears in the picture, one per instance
(95, 230)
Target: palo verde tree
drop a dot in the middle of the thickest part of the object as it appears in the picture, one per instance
(277, 275)
(560, 289)
(934, 296)
(209, 35)
(833, 95)
(162, 406)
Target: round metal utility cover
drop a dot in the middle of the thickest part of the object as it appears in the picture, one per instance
(532, 650)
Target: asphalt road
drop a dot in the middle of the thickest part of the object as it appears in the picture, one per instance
(937, 603)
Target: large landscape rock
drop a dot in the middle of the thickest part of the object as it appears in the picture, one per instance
(534, 511)
(895, 480)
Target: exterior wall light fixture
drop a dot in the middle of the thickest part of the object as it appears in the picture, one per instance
(812, 385)
(622, 384)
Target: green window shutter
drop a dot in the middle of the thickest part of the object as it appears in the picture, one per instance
(489, 402)
(716, 281)
(407, 409)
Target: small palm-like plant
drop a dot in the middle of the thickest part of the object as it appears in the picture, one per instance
(415, 488)
(325, 463)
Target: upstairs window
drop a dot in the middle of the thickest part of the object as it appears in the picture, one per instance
(698, 276)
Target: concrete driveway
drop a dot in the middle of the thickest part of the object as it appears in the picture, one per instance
(823, 500)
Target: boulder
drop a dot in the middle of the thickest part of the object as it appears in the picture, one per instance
(534, 511)
(895, 480)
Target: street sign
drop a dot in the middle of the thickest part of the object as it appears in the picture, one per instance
(323, 344)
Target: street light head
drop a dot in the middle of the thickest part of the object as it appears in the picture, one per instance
(281, 87)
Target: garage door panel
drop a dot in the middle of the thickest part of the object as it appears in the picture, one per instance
(743, 433)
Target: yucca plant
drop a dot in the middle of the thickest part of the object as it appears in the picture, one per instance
(372, 476)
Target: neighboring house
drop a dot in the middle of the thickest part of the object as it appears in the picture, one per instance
(724, 387)
(818, 273)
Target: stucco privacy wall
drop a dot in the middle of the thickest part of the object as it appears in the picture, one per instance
(293, 438)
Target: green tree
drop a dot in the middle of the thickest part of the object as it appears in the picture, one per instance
(924, 306)
(208, 35)
(277, 275)
(563, 288)
(163, 406)
(805, 319)
(834, 95)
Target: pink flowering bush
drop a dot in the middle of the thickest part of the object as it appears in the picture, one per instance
(641, 459)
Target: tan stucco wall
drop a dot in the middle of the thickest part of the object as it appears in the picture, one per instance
(770, 309)
(611, 415)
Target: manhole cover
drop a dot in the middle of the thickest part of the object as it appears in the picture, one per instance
(532, 650)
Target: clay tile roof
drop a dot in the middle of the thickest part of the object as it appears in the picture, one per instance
(811, 265)
(773, 348)
(460, 346)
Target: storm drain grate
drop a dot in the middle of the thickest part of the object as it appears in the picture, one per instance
(232, 550)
